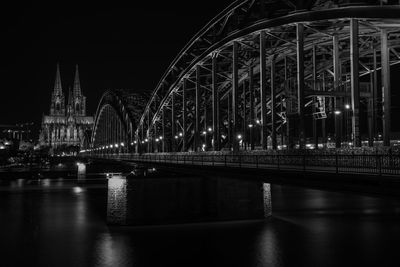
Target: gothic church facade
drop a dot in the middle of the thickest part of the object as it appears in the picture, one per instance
(67, 123)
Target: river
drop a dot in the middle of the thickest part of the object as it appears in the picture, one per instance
(62, 222)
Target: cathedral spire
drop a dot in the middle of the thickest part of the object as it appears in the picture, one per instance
(57, 84)
(77, 84)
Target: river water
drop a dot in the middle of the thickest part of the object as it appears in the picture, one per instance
(62, 222)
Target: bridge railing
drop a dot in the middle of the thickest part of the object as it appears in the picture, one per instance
(379, 164)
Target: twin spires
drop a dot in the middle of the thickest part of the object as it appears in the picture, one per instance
(77, 84)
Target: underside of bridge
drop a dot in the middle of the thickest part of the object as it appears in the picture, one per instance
(270, 75)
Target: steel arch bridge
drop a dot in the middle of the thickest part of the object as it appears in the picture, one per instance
(115, 121)
(270, 74)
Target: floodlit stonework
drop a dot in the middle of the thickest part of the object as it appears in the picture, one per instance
(66, 125)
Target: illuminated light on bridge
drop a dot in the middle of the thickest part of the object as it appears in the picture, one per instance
(285, 74)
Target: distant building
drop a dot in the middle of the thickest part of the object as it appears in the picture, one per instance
(66, 124)
(16, 132)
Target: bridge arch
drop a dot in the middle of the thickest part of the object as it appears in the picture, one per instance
(262, 74)
(115, 121)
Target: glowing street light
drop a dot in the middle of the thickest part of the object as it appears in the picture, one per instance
(180, 134)
(347, 106)
(116, 145)
(209, 129)
(122, 144)
(337, 112)
(204, 132)
(258, 121)
(160, 137)
(176, 137)
(239, 136)
(251, 125)
(157, 140)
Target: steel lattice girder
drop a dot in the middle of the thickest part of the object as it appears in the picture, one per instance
(242, 22)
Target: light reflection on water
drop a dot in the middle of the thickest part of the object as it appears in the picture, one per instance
(62, 223)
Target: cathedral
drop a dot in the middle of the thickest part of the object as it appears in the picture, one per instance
(67, 123)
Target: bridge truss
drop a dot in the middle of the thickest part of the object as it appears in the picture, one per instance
(271, 74)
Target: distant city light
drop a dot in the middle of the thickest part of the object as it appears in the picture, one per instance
(176, 137)
(258, 121)
(160, 137)
(250, 125)
(347, 106)
(209, 129)
(239, 136)
(122, 144)
(180, 134)
(204, 132)
(157, 140)
(116, 145)
(337, 112)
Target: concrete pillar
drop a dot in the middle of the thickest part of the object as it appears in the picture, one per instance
(300, 82)
(263, 91)
(355, 88)
(385, 87)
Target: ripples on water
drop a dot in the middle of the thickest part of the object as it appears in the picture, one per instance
(61, 222)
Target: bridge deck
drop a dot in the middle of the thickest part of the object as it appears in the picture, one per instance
(377, 165)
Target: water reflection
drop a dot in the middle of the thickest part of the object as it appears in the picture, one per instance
(158, 200)
(60, 222)
(81, 170)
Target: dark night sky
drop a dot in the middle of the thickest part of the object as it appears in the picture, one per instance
(116, 46)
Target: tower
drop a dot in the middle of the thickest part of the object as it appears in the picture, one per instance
(57, 107)
(79, 101)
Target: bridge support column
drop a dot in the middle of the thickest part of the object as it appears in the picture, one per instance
(263, 91)
(337, 83)
(173, 126)
(252, 120)
(235, 91)
(314, 108)
(163, 141)
(273, 105)
(300, 82)
(197, 112)
(385, 87)
(355, 88)
(375, 94)
(183, 115)
(148, 133)
(215, 105)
